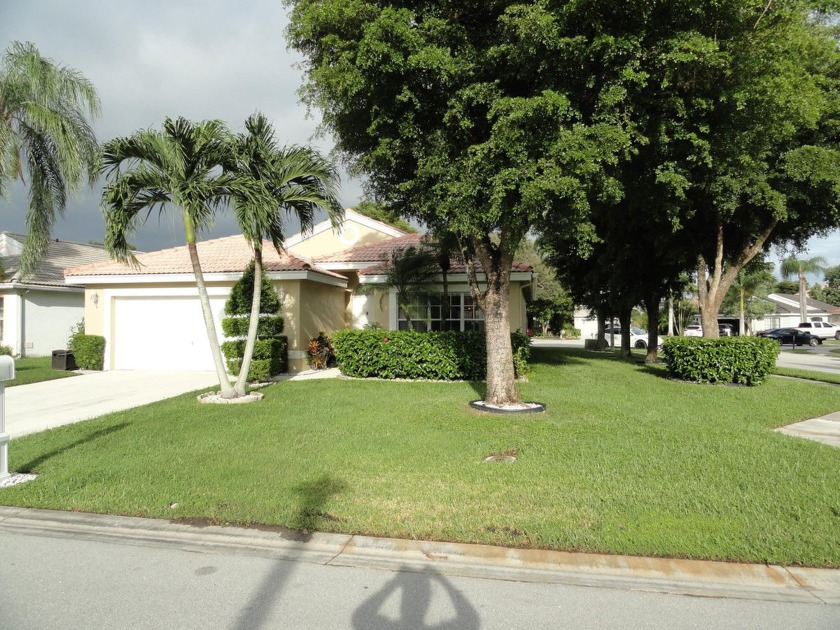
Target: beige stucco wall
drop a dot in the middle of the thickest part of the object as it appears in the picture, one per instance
(331, 241)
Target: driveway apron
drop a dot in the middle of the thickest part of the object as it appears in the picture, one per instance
(40, 406)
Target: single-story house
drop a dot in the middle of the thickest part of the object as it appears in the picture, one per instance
(786, 313)
(37, 312)
(151, 318)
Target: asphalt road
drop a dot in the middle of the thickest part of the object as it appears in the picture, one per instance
(65, 583)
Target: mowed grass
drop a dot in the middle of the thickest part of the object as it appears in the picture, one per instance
(34, 370)
(624, 461)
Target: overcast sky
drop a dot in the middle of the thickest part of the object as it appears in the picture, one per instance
(195, 58)
(152, 59)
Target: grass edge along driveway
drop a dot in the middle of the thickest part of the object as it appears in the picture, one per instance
(624, 461)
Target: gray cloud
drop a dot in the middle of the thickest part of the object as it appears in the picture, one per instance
(153, 59)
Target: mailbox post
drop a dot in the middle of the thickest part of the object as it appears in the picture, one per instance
(7, 373)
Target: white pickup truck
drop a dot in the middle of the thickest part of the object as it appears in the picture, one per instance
(823, 330)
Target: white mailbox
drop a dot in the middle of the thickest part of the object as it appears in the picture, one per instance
(7, 373)
(7, 368)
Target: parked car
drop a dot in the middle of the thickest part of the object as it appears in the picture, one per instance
(638, 337)
(791, 336)
(693, 330)
(823, 330)
(725, 330)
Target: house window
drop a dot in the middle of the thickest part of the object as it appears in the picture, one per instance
(463, 314)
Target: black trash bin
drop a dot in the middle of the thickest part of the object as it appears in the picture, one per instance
(63, 360)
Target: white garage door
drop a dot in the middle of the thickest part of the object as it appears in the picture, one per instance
(163, 333)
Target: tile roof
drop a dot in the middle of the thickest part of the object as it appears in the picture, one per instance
(230, 254)
(50, 271)
(377, 253)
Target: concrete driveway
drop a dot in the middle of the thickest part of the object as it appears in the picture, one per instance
(39, 406)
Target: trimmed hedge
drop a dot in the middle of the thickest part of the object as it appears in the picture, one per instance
(740, 360)
(89, 351)
(413, 355)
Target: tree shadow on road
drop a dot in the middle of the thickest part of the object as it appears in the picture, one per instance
(314, 495)
(421, 605)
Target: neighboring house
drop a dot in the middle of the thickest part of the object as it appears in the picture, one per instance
(151, 319)
(787, 312)
(37, 312)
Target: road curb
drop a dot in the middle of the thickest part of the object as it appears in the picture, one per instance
(663, 575)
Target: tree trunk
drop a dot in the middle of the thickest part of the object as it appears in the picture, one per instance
(713, 282)
(624, 320)
(494, 302)
(224, 384)
(652, 307)
(803, 296)
(253, 324)
(601, 338)
(670, 316)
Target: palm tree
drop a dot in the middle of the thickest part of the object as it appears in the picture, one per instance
(179, 166)
(409, 272)
(753, 279)
(296, 180)
(445, 246)
(45, 137)
(793, 266)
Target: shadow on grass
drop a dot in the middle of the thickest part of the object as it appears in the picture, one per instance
(313, 496)
(32, 466)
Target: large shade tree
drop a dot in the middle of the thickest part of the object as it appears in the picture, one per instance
(45, 138)
(178, 167)
(273, 182)
(458, 115)
(734, 106)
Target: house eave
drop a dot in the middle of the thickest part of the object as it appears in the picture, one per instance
(189, 279)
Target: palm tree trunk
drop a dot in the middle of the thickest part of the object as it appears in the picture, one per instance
(803, 305)
(224, 384)
(253, 324)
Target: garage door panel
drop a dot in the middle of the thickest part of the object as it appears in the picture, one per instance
(163, 333)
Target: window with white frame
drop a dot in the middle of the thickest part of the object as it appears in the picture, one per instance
(463, 314)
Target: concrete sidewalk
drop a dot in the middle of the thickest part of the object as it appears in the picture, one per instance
(40, 406)
(660, 575)
(825, 429)
(49, 404)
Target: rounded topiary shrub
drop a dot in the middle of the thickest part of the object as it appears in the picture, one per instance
(739, 360)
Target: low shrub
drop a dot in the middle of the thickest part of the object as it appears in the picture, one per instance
(88, 350)
(320, 352)
(740, 360)
(414, 355)
(570, 332)
(5, 350)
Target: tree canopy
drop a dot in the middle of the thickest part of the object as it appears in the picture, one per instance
(459, 116)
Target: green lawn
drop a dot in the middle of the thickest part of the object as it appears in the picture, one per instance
(34, 370)
(624, 461)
